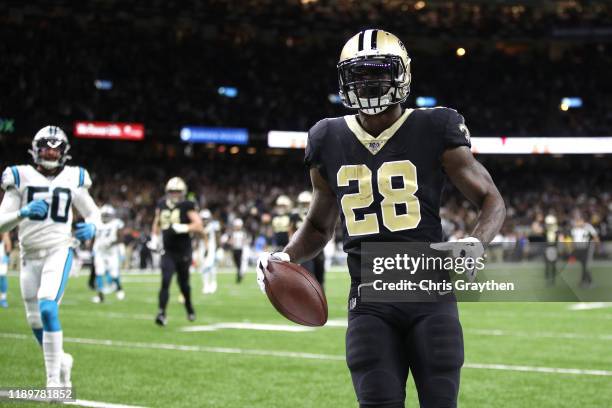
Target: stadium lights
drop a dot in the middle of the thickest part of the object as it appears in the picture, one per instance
(228, 91)
(419, 5)
(570, 102)
(234, 150)
(461, 52)
(103, 84)
(426, 101)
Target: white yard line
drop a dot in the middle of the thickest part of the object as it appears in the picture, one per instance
(589, 306)
(99, 404)
(310, 356)
(552, 335)
(248, 326)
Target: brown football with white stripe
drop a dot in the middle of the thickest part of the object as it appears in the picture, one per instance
(295, 293)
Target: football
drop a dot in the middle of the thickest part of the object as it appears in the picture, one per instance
(295, 293)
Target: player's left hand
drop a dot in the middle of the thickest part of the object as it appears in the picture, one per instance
(85, 231)
(469, 247)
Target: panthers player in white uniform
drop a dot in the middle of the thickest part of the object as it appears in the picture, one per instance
(5, 250)
(38, 200)
(106, 252)
(207, 252)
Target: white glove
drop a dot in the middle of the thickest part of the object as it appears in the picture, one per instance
(181, 228)
(262, 263)
(154, 243)
(469, 247)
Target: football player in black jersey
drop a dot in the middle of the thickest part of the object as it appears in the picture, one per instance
(281, 221)
(382, 171)
(176, 218)
(316, 265)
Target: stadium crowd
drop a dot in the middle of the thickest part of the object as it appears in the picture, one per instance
(281, 58)
(247, 187)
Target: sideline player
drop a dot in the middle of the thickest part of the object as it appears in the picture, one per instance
(38, 200)
(5, 251)
(383, 171)
(175, 217)
(207, 252)
(316, 265)
(107, 253)
(281, 221)
(584, 239)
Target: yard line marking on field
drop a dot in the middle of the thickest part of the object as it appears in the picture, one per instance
(553, 335)
(99, 404)
(551, 370)
(77, 402)
(554, 315)
(309, 356)
(247, 326)
(589, 306)
(342, 323)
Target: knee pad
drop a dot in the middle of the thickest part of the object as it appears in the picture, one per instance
(376, 364)
(33, 313)
(439, 344)
(49, 314)
(444, 341)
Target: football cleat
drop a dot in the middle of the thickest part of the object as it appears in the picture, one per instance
(120, 295)
(191, 317)
(66, 370)
(3, 303)
(161, 320)
(98, 298)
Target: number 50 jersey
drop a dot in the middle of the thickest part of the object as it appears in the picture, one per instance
(388, 187)
(60, 192)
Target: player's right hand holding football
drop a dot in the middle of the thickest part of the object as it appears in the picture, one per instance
(262, 263)
(35, 210)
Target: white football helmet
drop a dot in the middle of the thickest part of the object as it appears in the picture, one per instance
(176, 190)
(283, 201)
(107, 212)
(305, 197)
(373, 72)
(50, 137)
(205, 214)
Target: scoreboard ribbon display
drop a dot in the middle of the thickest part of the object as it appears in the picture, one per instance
(109, 130)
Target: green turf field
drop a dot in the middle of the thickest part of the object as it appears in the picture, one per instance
(517, 354)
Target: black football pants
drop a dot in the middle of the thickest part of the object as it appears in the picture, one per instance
(175, 262)
(386, 340)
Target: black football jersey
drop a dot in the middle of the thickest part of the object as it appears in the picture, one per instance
(175, 214)
(388, 187)
(280, 227)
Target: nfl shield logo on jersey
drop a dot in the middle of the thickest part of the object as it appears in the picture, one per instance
(374, 146)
